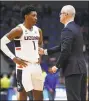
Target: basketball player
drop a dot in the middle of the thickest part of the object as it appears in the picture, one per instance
(28, 38)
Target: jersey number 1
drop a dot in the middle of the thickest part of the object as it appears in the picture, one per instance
(34, 45)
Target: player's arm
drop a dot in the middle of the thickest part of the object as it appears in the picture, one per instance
(41, 38)
(14, 33)
(40, 41)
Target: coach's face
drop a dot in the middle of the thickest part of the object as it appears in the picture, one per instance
(63, 16)
(32, 17)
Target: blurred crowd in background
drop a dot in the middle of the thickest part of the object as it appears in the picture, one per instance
(48, 21)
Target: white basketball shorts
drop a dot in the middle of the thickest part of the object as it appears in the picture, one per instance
(32, 77)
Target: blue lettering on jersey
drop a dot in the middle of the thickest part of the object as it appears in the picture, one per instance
(31, 38)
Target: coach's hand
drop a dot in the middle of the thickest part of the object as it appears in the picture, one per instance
(21, 62)
(53, 69)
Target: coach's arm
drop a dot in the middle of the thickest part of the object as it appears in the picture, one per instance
(67, 38)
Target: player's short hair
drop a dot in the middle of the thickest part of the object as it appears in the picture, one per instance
(26, 10)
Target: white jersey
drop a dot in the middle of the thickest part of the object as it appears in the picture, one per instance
(26, 47)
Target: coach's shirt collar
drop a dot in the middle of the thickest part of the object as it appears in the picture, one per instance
(68, 22)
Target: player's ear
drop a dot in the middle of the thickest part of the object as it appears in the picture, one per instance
(26, 16)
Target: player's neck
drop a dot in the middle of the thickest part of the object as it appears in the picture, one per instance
(27, 25)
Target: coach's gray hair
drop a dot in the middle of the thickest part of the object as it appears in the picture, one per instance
(69, 9)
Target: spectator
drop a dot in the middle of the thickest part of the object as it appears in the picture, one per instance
(5, 82)
(50, 83)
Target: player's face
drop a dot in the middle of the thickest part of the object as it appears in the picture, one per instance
(32, 17)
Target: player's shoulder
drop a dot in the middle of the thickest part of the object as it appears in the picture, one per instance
(36, 27)
(18, 28)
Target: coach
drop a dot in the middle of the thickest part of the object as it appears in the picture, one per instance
(71, 60)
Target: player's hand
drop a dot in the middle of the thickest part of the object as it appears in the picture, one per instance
(41, 51)
(21, 62)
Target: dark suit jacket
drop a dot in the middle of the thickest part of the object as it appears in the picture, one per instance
(71, 59)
